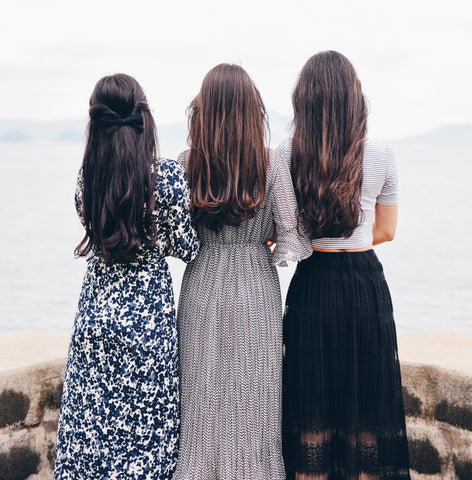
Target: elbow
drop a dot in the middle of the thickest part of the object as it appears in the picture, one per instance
(384, 235)
(389, 236)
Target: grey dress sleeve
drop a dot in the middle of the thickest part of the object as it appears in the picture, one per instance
(293, 243)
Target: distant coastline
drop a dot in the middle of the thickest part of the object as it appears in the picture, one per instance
(73, 130)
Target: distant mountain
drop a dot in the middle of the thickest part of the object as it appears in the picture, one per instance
(30, 130)
(449, 135)
(71, 135)
(173, 137)
(14, 135)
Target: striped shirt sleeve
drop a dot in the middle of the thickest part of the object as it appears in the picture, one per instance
(389, 192)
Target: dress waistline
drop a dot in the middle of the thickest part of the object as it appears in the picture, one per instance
(233, 245)
(147, 259)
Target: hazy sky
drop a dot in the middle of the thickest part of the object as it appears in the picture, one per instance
(413, 57)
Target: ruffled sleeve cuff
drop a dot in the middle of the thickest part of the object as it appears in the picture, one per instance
(292, 246)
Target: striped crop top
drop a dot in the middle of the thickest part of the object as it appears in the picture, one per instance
(380, 185)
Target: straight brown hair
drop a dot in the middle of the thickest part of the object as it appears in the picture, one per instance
(330, 126)
(118, 172)
(228, 157)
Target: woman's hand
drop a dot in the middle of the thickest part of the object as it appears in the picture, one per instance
(272, 242)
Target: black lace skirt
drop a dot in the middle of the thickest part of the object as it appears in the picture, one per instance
(342, 398)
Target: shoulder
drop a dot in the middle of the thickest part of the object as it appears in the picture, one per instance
(379, 157)
(183, 159)
(169, 167)
(285, 149)
(171, 171)
(378, 148)
(380, 166)
(171, 179)
(274, 160)
(277, 168)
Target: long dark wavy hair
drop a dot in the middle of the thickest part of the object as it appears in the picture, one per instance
(228, 157)
(118, 172)
(330, 126)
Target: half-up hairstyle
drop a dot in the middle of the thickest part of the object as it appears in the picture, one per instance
(118, 172)
(330, 126)
(228, 158)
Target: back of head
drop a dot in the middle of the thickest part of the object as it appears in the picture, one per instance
(330, 120)
(121, 149)
(228, 157)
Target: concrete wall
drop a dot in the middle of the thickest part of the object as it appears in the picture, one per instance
(438, 404)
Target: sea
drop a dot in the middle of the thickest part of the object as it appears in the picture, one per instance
(428, 265)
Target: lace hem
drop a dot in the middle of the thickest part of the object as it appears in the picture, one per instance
(325, 453)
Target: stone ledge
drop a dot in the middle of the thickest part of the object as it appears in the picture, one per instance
(445, 350)
(21, 350)
(437, 381)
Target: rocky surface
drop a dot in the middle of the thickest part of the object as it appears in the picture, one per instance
(437, 390)
(32, 369)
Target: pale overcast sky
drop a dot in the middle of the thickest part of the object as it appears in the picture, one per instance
(413, 57)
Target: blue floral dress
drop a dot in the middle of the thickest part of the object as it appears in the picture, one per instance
(119, 414)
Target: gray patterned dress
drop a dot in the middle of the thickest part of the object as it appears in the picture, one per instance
(230, 342)
(119, 414)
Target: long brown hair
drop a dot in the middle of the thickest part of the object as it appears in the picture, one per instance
(118, 171)
(228, 158)
(330, 120)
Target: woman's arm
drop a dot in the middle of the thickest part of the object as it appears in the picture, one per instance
(79, 196)
(182, 239)
(291, 242)
(385, 223)
(386, 208)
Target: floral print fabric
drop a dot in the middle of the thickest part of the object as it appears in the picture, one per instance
(119, 413)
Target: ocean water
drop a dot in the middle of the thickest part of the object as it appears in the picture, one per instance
(428, 266)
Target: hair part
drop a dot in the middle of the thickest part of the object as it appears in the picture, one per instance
(118, 172)
(330, 127)
(228, 157)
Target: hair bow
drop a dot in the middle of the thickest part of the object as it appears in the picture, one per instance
(115, 123)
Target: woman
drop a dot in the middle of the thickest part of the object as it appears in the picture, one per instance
(343, 414)
(230, 316)
(120, 401)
